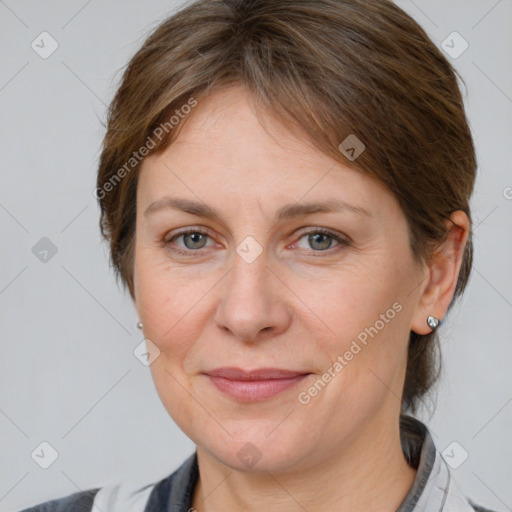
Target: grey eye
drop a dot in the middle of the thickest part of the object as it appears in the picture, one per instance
(194, 240)
(320, 241)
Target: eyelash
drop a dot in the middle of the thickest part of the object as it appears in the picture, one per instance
(342, 242)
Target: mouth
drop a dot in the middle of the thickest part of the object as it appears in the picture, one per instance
(254, 385)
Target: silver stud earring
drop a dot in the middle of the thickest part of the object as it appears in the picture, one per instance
(433, 322)
(139, 325)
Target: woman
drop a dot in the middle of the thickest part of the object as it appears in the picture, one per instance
(243, 134)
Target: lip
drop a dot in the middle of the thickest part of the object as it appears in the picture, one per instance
(254, 385)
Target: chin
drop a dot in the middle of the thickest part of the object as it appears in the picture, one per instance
(256, 451)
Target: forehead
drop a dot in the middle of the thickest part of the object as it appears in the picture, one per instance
(223, 151)
(227, 125)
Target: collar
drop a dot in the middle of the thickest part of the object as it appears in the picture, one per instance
(433, 488)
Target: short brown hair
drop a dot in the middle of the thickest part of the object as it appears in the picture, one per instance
(328, 68)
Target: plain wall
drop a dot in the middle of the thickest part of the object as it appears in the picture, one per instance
(67, 372)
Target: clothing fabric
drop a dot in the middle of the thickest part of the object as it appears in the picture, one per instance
(433, 490)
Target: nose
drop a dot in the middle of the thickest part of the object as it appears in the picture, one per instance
(253, 304)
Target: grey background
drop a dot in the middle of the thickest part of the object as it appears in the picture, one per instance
(67, 372)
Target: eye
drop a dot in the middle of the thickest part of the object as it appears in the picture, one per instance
(193, 240)
(320, 240)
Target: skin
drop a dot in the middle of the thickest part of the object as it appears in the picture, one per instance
(295, 306)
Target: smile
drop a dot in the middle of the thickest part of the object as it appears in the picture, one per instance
(256, 385)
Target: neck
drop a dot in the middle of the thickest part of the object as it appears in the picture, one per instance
(369, 473)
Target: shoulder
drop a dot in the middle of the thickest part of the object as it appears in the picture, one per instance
(173, 491)
(78, 502)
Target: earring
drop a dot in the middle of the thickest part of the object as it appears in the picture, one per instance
(433, 322)
(139, 325)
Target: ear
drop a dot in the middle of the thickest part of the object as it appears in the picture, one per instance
(443, 272)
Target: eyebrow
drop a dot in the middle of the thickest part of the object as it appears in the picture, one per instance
(286, 212)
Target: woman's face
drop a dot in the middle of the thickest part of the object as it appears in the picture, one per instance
(272, 282)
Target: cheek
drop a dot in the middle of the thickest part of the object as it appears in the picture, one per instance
(366, 312)
(353, 299)
(171, 304)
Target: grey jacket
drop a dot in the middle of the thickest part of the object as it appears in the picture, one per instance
(433, 490)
